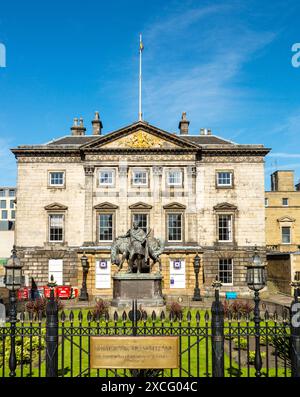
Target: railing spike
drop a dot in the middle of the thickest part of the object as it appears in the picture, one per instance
(189, 316)
(106, 316)
(116, 316)
(144, 315)
(153, 316)
(267, 315)
(80, 316)
(198, 316)
(275, 316)
(89, 316)
(62, 316)
(30, 315)
(124, 316)
(71, 316)
(162, 316)
(22, 317)
(171, 316)
(206, 316)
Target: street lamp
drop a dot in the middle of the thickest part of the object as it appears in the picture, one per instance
(84, 296)
(196, 263)
(256, 281)
(13, 280)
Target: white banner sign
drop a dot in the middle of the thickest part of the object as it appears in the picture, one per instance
(56, 270)
(177, 273)
(103, 273)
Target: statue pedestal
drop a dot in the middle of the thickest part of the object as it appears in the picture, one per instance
(145, 287)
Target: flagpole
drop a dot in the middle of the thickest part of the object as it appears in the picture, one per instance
(140, 81)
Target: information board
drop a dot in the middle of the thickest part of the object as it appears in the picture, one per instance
(134, 352)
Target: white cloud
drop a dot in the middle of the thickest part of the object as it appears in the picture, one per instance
(202, 76)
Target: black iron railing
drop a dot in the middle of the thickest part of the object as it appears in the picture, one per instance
(211, 343)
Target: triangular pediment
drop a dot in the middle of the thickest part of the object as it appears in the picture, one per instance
(286, 219)
(140, 206)
(139, 136)
(106, 206)
(56, 207)
(225, 207)
(174, 206)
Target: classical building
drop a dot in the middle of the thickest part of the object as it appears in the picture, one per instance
(283, 230)
(200, 194)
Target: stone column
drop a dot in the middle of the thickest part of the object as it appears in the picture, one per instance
(191, 235)
(89, 239)
(122, 221)
(199, 199)
(158, 211)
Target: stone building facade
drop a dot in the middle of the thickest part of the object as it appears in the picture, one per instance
(283, 230)
(199, 194)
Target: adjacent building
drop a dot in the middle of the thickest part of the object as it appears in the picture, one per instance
(283, 230)
(7, 224)
(198, 193)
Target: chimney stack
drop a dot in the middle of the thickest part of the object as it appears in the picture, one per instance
(205, 131)
(78, 130)
(183, 125)
(97, 124)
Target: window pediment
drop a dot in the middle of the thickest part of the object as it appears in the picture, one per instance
(140, 206)
(174, 206)
(225, 207)
(56, 207)
(286, 219)
(106, 206)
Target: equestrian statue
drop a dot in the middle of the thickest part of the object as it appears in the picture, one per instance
(137, 248)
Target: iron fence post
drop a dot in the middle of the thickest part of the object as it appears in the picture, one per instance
(217, 334)
(52, 334)
(295, 335)
(257, 359)
(13, 320)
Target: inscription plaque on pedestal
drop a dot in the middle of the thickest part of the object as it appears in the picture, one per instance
(134, 352)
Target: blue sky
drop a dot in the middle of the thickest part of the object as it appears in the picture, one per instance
(226, 63)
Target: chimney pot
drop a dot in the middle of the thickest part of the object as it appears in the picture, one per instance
(78, 130)
(183, 125)
(97, 124)
(205, 131)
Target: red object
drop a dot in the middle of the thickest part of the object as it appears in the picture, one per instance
(47, 291)
(23, 294)
(64, 291)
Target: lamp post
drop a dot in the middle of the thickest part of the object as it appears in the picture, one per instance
(13, 281)
(256, 281)
(84, 296)
(295, 329)
(197, 296)
(217, 332)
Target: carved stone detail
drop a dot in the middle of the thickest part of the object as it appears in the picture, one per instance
(89, 170)
(157, 170)
(191, 170)
(139, 157)
(123, 170)
(232, 159)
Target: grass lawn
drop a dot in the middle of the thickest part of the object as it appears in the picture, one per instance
(74, 354)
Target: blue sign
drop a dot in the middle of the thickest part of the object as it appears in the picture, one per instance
(231, 295)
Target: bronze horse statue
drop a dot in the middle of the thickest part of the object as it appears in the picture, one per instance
(120, 247)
